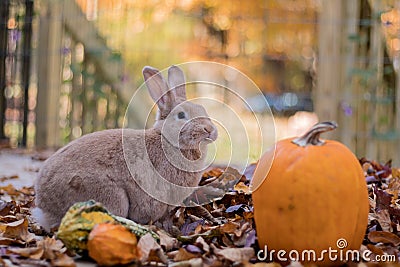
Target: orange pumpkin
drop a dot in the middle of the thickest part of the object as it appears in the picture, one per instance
(313, 197)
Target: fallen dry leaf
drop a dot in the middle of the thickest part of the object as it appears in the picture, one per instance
(250, 238)
(195, 262)
(215, 172)
(229, 178)
(269, 264)
(5, 241)
(17, 230)
(33, 252)
(204, 194)
(383, 199)
(216, 189)
(151, 251)
(63, 260)
(202, 213)
(230, 227)
(384, 220)
(9, 190)
(192, 249)
(5, 207)
(27, 191)
(249, 171)
(51, 247)
(242, 188)
(395, 172)
(375, 250)
(166, 241)
(243, 228)
(8, 219)
(384, 237)
(232, 238)
(241, 255)
(46, 249)
(184, 255)
(10, 177)
(235, 208)
(202, 244)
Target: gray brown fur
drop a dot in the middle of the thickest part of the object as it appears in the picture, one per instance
(108, 166)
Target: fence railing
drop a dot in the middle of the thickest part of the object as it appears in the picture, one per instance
(358, 85)
(15, 64)
(60, 79)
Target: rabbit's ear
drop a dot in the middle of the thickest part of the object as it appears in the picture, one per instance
(158, 89)
(176, 80)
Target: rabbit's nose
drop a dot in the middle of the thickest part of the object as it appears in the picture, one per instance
(211, 131)
(208, 129)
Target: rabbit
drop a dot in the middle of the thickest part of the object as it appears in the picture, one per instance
(137, 174)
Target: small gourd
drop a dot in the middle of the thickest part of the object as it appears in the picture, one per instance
(80, 219)
(313, 197)
(112, 244)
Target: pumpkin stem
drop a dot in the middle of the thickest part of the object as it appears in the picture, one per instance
(312, 136)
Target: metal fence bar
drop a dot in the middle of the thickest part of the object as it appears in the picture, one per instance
(26, 64)
(4, 12)
(49, 76)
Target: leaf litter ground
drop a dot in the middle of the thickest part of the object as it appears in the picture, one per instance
(220, 233)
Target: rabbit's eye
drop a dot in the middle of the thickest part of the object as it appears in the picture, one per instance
(181, 115)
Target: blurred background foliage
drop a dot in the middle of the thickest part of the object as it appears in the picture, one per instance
(272, 41)
(70, 67)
